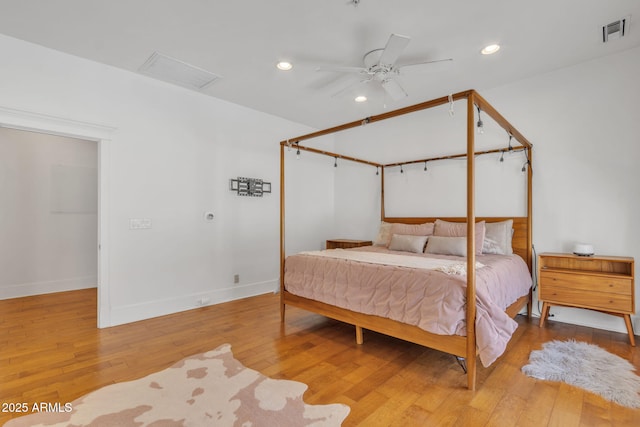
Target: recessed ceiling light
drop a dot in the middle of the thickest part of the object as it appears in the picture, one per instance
(491, 49)
(284, 65)
(360, 98)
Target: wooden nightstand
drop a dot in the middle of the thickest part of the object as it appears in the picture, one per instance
(347, 243)
(602, 283)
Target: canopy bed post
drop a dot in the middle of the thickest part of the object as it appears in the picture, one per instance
(529, 206)
(282, 250)
(526, 146)
(529, 226)
(382, 215)
(471, 247)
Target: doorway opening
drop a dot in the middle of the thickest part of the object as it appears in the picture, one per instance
(67, 180)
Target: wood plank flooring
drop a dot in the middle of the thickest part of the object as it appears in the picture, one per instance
(51, 351)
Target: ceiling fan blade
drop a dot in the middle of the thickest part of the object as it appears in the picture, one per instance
(425, 67)
(395, 45)
(340, 69)
(394, 89)
(348, 89)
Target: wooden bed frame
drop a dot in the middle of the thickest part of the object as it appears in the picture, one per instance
(462, 346)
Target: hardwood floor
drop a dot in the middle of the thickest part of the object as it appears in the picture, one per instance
(53, 352)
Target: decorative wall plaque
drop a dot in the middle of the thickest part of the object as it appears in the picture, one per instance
(253, 187)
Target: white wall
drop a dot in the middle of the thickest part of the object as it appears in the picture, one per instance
(309, 201)
(170, 160)
(441, 189)
(48, 214)
(583, 123)
(357, 201)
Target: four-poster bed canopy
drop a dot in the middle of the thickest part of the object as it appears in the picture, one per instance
(461, 346)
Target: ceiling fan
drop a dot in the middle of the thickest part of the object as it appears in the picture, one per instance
(380, 66)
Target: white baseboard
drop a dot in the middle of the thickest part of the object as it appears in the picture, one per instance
(150, 309)
(47, 287)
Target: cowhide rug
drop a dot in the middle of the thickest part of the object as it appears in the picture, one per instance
(589, 367)
(209, 389)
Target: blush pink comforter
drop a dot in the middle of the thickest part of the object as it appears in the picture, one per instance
(430, 299)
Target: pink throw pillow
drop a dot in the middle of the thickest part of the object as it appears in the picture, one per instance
(459, 229)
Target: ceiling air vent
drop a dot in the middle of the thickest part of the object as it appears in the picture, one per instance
(171, 70)
(615, 30)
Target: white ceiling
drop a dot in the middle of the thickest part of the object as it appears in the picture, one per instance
(242, 41)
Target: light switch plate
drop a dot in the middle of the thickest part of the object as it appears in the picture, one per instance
(139, 223)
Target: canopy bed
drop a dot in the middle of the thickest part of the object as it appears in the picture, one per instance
(469, 339)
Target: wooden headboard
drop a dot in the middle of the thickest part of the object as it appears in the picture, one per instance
(520, 242)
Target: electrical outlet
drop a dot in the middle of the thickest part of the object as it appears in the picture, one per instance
(236, 279)
(204, 301)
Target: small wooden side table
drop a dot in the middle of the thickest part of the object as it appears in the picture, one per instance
(601, 283)
(347, 243)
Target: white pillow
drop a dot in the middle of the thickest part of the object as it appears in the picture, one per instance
(497, 238)
(447, 245)
(407, 243)
(384, 234)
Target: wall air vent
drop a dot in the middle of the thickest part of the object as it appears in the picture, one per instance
(615, 30)
(171, 70)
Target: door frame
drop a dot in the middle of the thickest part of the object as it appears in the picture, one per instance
(101, 134)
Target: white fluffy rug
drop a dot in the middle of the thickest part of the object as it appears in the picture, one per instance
(589, 367)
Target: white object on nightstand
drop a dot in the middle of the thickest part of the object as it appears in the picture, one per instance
(583, 249)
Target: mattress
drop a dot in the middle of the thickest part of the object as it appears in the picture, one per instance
(424, 290)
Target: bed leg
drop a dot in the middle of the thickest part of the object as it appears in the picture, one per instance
(359, 338)
(471, 373)
(530, 304)
(281, 312)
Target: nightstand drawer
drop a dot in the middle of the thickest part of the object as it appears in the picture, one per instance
(587, 299)
(587, 282)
